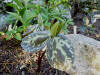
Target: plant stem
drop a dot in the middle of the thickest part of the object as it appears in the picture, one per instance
(40, 56)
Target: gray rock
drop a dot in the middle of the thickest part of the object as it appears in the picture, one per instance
(2, 24)
(5, 20)
(87, 55)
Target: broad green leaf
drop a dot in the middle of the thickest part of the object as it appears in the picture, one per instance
(9, 37)
(60, 28)
(20, 29)
(54, 28)
(18, 36)
(11, 32)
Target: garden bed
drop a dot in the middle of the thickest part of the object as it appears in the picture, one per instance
(13, 61)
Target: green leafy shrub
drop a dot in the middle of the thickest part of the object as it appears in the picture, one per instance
(43, 13)
(22, 14)
(51, 10)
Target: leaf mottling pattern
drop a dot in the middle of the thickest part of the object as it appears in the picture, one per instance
(35, 41)
(60, 53)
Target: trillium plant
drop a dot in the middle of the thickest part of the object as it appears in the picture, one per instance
(59, 50)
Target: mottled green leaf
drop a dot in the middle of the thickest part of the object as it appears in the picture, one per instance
(35, 41)
(60, 53)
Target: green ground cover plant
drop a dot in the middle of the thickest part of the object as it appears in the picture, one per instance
(43, 14)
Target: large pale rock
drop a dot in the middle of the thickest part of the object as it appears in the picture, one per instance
(87, 55)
